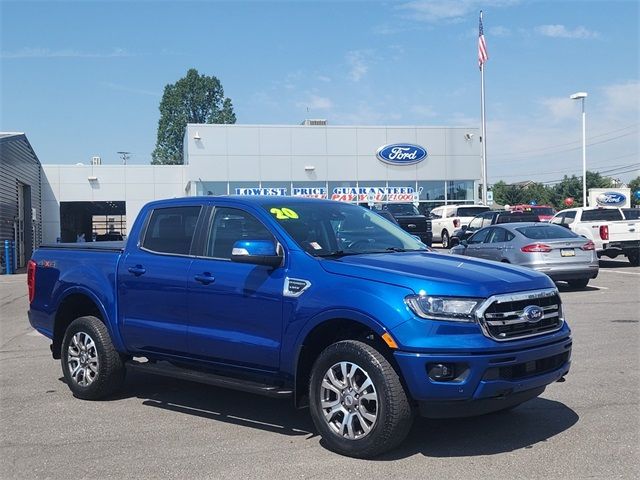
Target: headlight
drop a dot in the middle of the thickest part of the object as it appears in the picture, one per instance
(443, 308)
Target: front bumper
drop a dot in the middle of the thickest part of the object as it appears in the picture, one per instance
(484, 382)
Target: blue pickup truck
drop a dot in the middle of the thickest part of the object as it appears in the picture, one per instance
(323, 302)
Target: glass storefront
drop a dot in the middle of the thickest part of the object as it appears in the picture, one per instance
(430, 193)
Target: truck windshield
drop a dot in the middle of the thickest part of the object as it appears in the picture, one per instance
(338, 229)
(402, 209)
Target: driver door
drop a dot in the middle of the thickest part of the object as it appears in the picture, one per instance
(235, 309)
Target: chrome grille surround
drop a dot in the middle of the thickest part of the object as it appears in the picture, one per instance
(513, 315)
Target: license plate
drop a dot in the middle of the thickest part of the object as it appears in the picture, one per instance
(567, 252)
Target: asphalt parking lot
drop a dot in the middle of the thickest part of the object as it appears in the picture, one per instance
(587, 427)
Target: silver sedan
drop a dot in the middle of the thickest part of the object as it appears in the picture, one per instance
(544, 247)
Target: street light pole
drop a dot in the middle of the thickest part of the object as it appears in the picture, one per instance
(582, 96)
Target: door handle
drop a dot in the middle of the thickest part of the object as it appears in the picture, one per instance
(137, 270)
(204, 278)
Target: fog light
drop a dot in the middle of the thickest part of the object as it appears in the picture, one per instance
(441, 372)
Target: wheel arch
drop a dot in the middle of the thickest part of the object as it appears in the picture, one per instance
(326, 331)
(76, 302)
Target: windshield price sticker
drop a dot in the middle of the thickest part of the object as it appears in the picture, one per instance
(284, 213)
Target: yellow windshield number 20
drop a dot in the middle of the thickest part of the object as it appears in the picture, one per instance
(284, 213)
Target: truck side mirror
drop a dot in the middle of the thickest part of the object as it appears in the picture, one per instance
(256, 252)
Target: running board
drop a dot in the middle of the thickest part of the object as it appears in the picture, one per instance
(166, 369)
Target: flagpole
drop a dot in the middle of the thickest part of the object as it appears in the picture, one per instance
(483, 138)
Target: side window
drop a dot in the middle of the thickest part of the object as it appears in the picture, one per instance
(231, 225)
(487, 219)
(569, 217)
(436, 213)
(510, 236)
(558, 219)
(170, 230)
(480, 236)
(498, 235)
(475, 223)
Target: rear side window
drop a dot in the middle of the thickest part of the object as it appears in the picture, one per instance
(471, 211)
(604, 214)
(170, 230)
(546, 232)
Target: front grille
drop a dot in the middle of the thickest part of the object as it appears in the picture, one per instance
(527, 369)
(503, 317)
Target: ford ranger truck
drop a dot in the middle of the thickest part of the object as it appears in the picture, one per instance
(322, 302)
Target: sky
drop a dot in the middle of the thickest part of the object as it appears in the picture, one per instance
(85, 78)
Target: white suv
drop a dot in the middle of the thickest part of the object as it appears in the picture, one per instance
(446, 219)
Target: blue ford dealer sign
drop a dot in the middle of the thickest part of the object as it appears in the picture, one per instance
(611, 199)
(401, 154)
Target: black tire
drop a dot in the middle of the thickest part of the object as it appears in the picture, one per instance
(110, 370)
(445, 239)
(394, 415)
(578, 283)
(634, 258)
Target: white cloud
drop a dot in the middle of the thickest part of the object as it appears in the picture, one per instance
(324, 78)
(316, 102)
(433, 11)
(499, 31)
(560, 31)
(358, 64)
(423, 110)
(29, 52)
(622, 99)
(559, 108)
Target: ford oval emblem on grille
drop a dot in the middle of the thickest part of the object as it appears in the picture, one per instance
(401, 154)
(533, 313)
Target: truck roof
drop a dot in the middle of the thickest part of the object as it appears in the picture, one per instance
(244, 199)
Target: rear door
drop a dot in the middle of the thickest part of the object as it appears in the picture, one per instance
(235, 309)
(495, 244)
(152, 282)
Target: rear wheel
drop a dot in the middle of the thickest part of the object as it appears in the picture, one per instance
(578, 283)
(357, 401)
(92, 367)
(634, 258)
(445, 239)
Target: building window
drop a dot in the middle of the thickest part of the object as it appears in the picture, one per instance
(459, 190)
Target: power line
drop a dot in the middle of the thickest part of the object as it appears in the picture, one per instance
(565, 144)
(537, 174)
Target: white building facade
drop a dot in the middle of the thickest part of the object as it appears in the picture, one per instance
(336, 162)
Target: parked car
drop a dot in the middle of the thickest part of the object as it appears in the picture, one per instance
(550, 249)
(611, 233)
(631, 213)
(544, 212)
(448, 218)
(492, 217)
(321, 302)
(411, 220)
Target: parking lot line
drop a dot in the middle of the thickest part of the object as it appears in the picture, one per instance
(617, 271)
(599, 288)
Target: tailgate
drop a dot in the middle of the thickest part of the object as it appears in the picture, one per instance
(624, 231)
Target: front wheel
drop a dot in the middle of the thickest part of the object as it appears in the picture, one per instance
(357, 401)
(92, 367)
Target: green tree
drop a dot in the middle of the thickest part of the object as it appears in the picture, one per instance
(634, 185)
(193, 99)
(504, 194)
(572, 187)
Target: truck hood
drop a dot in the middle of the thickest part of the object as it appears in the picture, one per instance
(439, 274)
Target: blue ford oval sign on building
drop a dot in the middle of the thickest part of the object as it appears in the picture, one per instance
(611, 199)
(401, 154)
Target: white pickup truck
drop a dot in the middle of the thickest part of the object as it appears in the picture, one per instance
(607, 228)
(448, 218)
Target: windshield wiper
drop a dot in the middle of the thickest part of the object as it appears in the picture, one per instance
(337, 254)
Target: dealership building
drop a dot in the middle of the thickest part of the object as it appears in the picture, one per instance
(359, 164)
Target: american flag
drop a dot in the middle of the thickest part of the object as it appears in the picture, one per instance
(483, 56)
